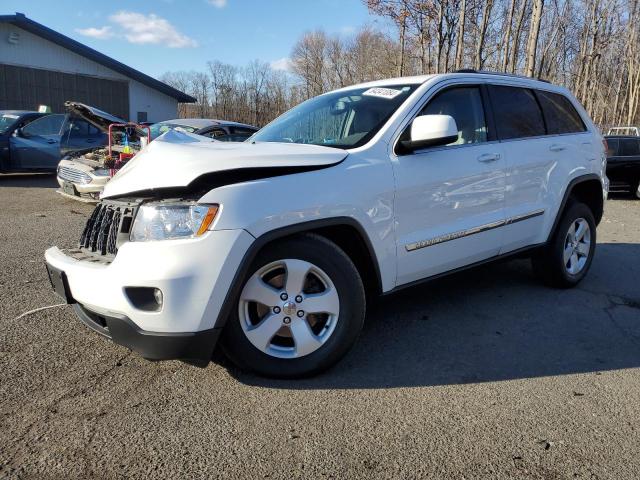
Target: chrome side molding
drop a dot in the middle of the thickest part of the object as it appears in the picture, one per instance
(471, 231)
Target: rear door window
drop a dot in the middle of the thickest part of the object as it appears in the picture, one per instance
(629, 147)
(560, 114)
(517, 113)
(79, 129)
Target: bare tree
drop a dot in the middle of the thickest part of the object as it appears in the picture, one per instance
(534, 32)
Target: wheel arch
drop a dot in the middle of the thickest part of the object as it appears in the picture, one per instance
(586, 189)
(346, 232)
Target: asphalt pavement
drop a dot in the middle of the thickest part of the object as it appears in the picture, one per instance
(485, 374)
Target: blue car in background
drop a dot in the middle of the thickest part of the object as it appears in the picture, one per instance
(10, 121)
(40, 144)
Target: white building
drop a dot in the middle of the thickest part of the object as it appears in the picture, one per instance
(39, 66)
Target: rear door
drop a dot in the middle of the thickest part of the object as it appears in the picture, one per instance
(628, 162)
(37, 145)
(534, 159)
(81, 135)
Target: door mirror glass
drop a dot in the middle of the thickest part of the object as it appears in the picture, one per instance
(430, 131)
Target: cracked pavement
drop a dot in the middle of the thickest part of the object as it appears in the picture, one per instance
(486, 374)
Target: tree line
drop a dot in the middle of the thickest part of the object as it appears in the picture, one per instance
(590, 46)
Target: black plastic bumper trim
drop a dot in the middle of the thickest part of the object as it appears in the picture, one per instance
(189, 346)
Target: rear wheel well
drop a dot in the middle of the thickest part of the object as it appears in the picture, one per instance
(589, 192)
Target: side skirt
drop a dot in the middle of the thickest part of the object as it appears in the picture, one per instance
(496, 258)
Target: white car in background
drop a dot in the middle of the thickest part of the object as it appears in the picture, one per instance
(272, 245)
(83, 175)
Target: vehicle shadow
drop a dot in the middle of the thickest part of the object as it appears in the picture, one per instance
(492, 323)
(28, 180)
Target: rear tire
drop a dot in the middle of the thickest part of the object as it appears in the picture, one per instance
(273, 330)
(566, 259)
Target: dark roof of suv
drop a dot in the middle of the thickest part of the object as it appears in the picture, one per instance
(21, 21)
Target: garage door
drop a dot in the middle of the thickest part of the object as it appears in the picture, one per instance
(23, 88)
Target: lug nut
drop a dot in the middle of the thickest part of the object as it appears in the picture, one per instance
(283, 296)
(299, 299)
(300, 313)
(286, 320)
(276, 309)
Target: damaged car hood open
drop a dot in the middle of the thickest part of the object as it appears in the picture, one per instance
(178, 159)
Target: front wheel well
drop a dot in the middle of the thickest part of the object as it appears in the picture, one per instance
(348, 237)
(353, 243)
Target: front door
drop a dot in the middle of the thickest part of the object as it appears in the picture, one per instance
(450, 200)
(37, 146)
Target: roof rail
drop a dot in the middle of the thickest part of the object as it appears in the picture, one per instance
(488, 72)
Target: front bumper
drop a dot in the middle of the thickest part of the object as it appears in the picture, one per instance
(190, 346)
(194, 276)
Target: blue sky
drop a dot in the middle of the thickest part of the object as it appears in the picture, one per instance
(161, 35)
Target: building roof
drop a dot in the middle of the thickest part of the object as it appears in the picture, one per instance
(21, 21)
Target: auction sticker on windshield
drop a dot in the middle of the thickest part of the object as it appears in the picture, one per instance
(382, 92)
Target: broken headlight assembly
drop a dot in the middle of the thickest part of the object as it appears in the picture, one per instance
(171, 221)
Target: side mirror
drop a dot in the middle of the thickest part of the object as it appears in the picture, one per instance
(430, 131)
(18, 132)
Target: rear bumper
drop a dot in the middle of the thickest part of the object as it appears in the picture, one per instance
(189, 346)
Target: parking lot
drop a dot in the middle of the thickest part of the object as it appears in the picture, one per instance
(483, 374)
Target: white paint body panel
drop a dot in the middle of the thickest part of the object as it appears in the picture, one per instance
(395, 200)
(175, 159)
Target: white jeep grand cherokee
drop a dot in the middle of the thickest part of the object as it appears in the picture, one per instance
(272, 244)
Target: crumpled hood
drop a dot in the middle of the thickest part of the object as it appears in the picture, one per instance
(177, 158)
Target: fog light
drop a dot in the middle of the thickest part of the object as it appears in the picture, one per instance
(157, 294)
(148, 299)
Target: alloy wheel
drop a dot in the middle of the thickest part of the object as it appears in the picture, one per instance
(577, 246)
(289, 308)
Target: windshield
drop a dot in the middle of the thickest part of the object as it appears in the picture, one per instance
(158, 129)
(345, 119)
(6, 121)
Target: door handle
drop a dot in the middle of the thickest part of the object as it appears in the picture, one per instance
(91, 140)
(556, 147)
(489, 157)
(51, 141)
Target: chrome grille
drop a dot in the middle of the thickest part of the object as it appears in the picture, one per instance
(107, 228)
(73, 175)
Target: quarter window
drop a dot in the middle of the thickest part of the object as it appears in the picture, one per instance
(517, 113)
(560, 114)
(464, 104)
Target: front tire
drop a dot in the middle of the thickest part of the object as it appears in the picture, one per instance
(300, 310)
(566, 259)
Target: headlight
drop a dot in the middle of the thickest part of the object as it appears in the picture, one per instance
(172, 221)
(102, 172)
